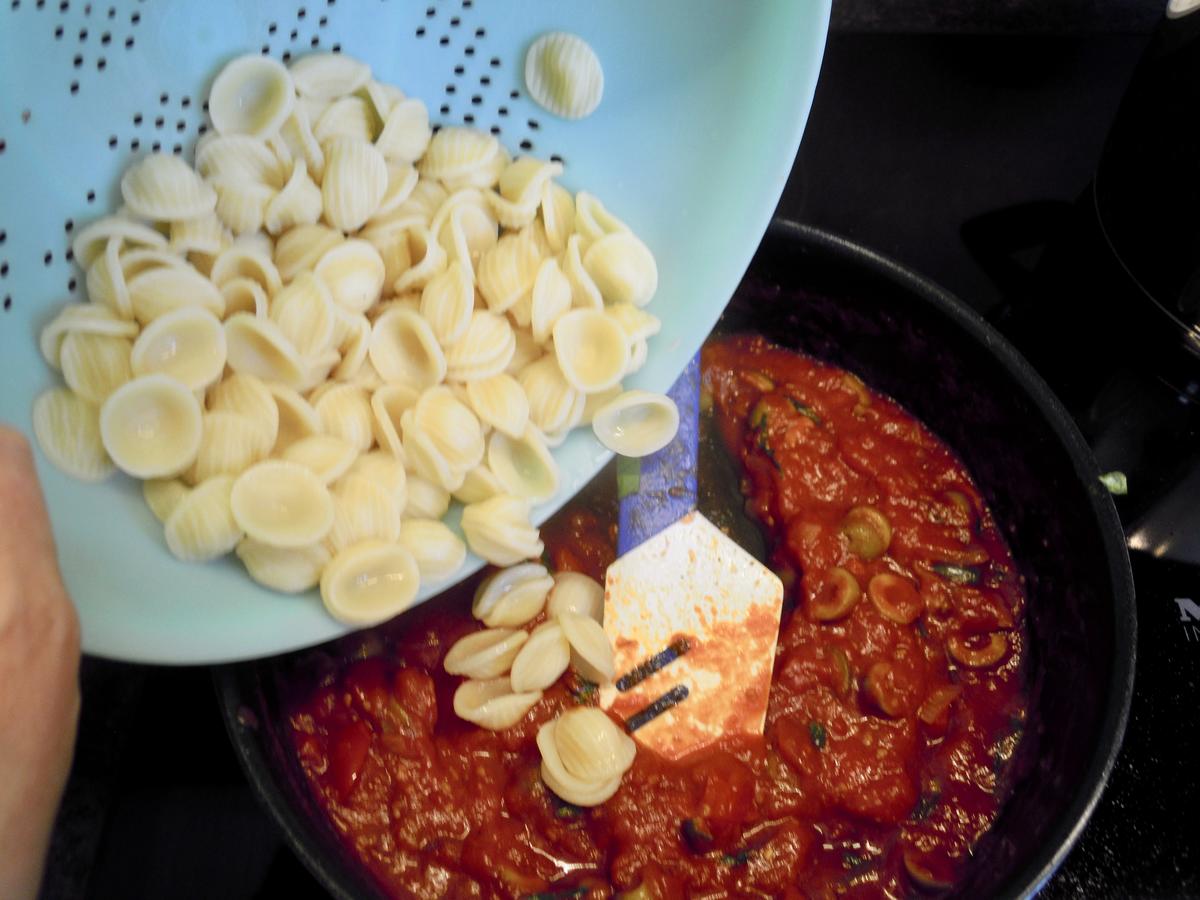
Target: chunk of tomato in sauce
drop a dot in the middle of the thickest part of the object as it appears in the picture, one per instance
(347, 755)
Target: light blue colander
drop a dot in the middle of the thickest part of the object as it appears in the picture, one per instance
(704, 104)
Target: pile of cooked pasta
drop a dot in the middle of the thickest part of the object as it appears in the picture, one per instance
(337, 322)
(507, 667)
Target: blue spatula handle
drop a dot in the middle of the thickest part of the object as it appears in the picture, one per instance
(656, 490)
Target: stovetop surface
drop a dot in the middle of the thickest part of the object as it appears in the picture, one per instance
(910, 137)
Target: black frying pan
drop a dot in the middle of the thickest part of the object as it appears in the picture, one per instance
(908, 338)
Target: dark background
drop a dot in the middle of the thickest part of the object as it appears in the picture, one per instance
(927, 115)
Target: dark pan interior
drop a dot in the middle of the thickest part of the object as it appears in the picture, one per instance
(817, 293)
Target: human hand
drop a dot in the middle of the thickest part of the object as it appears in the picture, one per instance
(39, 674)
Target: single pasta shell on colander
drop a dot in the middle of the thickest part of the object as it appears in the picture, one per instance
(593, 220)
(229, 444)
(541, 659)
(447, 303)
(523, 466)
(89, 241)
(574, 592)
(639, 325)
(551, 397)
(478, 484)
(406, 132)
(295, 416)
(87, 318)
(151, 427)
(484, 349)
(345, 411)
(388, 404)
(242, 205)
(451, 426)
(347, 117)
(162, 187)
(158, 291)
(456, 153)
(381, 96)
(245, 295)
(302, 247)
(304, 313)
(584, 292)
(507, 271)
(591, 650)
(252, 95)
(106, 281)
(468, 231)
(370, 582)
(623, 269)
(510, 215)
(491, 704)
(362, 510)
(67, 428)
(550, 299)
(590, 746)
(499, 530)
(162, 495)
(636, 423)
(327, 76)
(558, 215)
(354, 273)
(327, 456)
(500, 401)
(426, 500)
(387, 471)
(484, 654)
(203, 234)
(592, 349)
(563, 74)
(513, 596)
(402, 178)
(95, 365)
(188, 344)
(202, 527)
(428, 258)
(286, 569)
(297, 203)
(258, 347)
(297, 136)
(523, 180)
(637, 356)
(356, 178)
(405, 349)
(439, 552)
(238, 157)
(282, 504)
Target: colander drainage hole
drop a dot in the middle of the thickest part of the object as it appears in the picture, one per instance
(272, 28)
(7, 303)
(48, 258)
(3, 145)
(4, 269)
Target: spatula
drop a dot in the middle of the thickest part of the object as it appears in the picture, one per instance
(692, 616)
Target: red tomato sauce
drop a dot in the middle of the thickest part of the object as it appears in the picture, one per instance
(896, 704)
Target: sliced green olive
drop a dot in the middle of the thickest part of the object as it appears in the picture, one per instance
(855, 385)
(868, 530)
(939, 700)
(836, 597)
(895, 597)
(760, 415)
(919, 872)
(976, 654)
(955, 573)
(845, 676)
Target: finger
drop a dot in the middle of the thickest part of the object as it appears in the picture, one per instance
(24, 523)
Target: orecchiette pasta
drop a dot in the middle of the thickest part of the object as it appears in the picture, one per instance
(330, 322)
